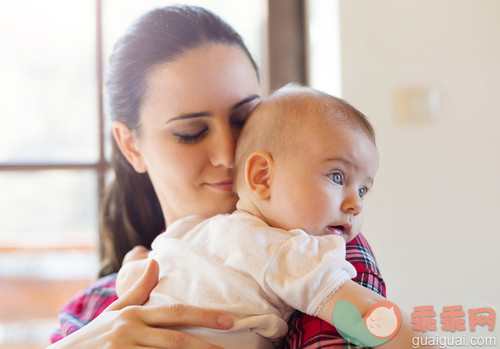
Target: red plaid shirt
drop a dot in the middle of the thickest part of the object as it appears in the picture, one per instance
(304, 331)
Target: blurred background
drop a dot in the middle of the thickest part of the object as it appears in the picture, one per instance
(426, 73)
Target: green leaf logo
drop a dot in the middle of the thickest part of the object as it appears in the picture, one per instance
(380, 324)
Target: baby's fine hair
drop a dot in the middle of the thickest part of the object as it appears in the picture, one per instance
(276, 125)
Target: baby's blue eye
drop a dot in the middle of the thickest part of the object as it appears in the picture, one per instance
(362, 192)
(336, 178)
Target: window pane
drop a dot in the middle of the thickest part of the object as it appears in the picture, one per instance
(48, 208)
(48, 81)
(323, 33)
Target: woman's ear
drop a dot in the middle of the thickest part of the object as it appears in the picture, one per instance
(128, 146)
(258, 174)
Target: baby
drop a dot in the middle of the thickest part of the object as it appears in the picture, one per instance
(304, 162)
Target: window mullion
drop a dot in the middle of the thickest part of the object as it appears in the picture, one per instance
(102, 163)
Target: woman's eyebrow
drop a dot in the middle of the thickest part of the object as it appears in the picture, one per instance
(204, 113)
(189, 116)
(245, 100)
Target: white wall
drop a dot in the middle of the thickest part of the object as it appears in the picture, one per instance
(432, 217)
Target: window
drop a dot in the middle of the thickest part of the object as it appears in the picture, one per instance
(49, 161)
(49, 109)
(323, 39)
(53, 156)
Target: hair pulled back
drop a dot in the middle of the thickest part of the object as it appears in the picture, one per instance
(131, 214)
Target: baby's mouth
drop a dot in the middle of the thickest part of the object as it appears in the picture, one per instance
(341, 230)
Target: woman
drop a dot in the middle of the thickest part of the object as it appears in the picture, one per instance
(181, 84)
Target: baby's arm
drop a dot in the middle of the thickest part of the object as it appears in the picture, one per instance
(134, 265)
(363, 299)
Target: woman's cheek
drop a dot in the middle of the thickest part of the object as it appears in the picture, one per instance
(190, 162)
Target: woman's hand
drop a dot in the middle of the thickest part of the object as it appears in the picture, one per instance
(136, 254)
(133, 267)
(128, 324)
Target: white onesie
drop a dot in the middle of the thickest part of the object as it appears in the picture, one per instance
(237, 264)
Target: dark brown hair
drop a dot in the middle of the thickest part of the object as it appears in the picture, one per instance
(131, 213)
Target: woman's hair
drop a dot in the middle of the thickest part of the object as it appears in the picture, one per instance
(131, 214)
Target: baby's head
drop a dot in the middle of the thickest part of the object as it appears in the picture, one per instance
(306, 159)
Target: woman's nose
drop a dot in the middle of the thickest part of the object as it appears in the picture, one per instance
(223, 148)
(353, 203)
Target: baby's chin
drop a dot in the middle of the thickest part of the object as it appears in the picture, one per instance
(351, 237)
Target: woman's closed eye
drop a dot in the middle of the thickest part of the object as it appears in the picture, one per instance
(190, 137)
(239, 117)
(238, 122)
(242, 110)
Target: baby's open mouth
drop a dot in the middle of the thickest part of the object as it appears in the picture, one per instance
(341, 230)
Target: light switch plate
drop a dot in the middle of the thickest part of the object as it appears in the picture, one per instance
(416, 105)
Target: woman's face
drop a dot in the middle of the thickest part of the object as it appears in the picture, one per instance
(190, 119)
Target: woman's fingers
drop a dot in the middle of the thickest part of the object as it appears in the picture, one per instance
(135, 321)
(167, 315)
(176, 339)
(185, 315)
(155, 321)
(138, 294)
(163, 338)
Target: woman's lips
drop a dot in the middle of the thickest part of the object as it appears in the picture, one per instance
(226, 186)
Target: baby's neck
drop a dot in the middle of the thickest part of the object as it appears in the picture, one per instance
(250, 208)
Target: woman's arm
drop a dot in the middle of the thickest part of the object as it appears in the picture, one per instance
(126, 324)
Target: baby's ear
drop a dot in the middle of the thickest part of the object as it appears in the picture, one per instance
(258, 174)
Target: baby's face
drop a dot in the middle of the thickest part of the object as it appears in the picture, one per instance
(321, 188)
